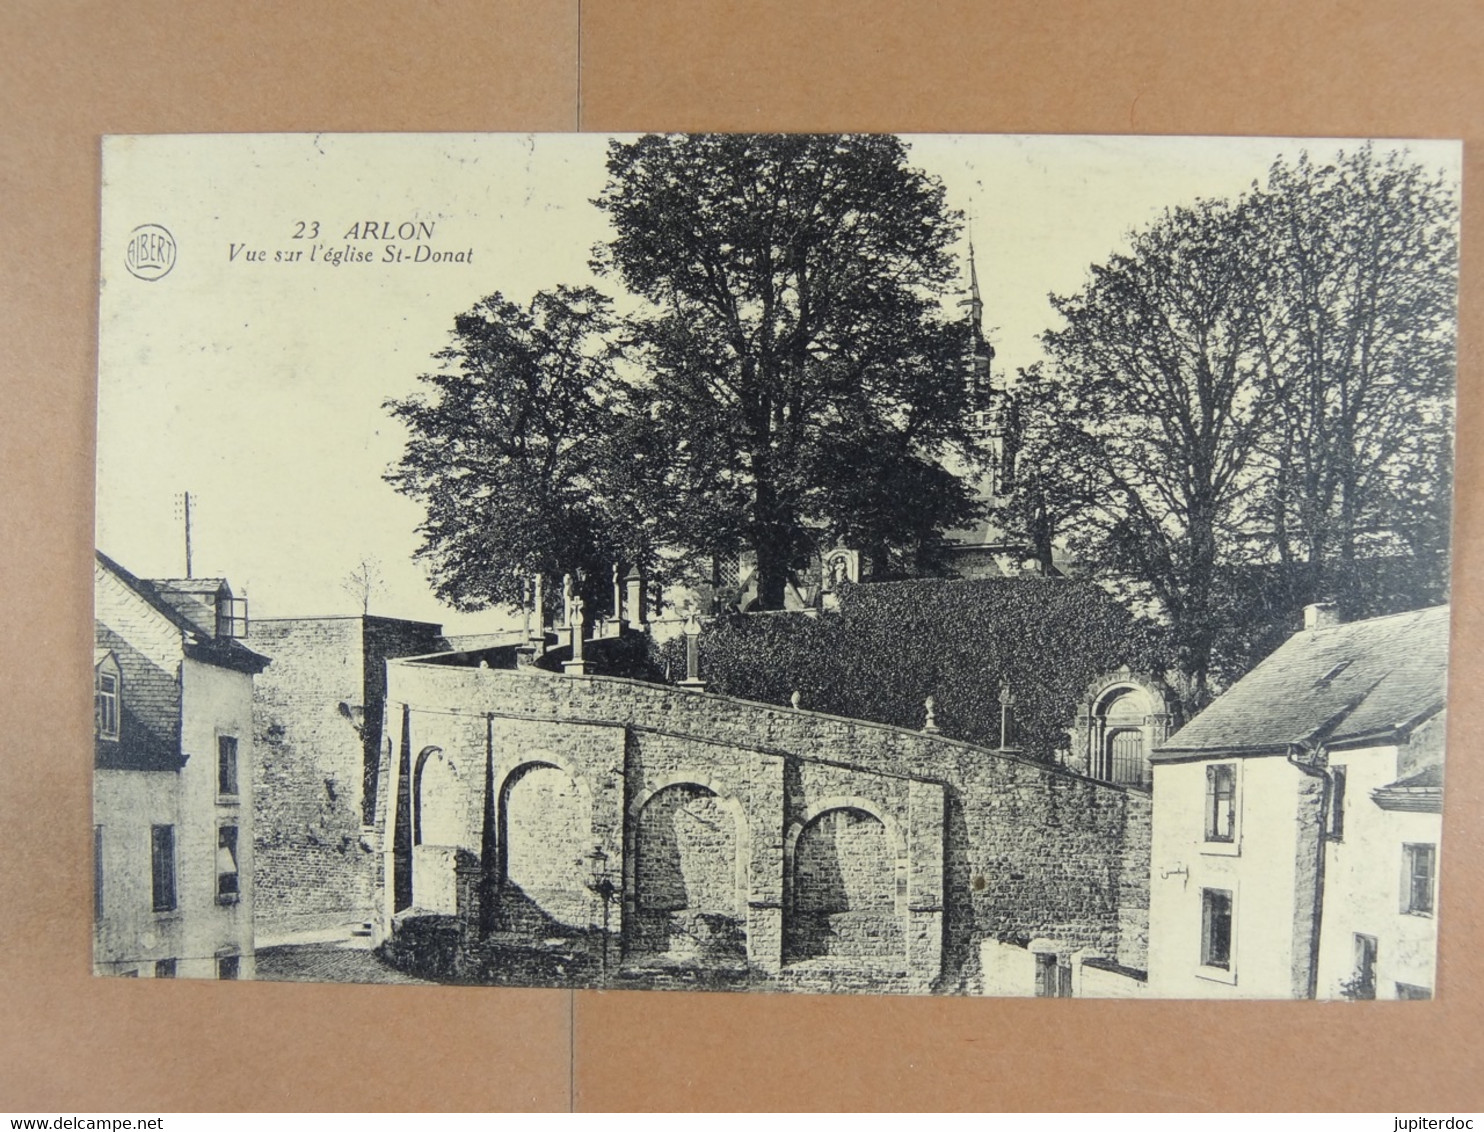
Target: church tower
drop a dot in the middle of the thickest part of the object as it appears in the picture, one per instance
(992, 408)
(985, 550)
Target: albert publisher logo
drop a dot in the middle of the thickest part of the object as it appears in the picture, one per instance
(151, 252)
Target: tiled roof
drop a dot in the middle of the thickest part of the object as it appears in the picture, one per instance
(184, 611)
(1346, 684)
(149, 711)
(149, 702)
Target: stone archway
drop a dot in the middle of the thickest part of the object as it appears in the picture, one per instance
(843, 891)
(688, 906)
(545, 842)
(1121, 721)
(439, 813)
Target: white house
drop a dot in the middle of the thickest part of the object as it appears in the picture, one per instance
(1296, 821)
(172, 778)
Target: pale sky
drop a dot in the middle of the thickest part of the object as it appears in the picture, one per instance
(258, 386)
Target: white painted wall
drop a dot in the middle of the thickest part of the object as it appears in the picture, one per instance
(1259, 869)
(1364, 883)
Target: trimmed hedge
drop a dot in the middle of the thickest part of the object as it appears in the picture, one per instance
(895, 643)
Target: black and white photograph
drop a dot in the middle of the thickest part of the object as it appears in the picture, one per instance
(970, 565)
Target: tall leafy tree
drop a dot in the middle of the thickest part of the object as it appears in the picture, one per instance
(507, 445)
(1358, 303)
(793, 343)
(1143, 428)
(1252, 408)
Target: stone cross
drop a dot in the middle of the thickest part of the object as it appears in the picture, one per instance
(693, 653)
(576, 666)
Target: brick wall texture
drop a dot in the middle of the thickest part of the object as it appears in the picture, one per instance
(804, 851)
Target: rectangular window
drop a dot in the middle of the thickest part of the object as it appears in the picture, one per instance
(226, 766)
(1419, 863)
(227, 966)
(97, 873)
(226, 864)
(165, 968)
(106, 706)
(1221, 802)
(162, 867)
(1216, 928)
(1336, 829)
(1363, 982)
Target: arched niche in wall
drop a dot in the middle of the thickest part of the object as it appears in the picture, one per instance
(846, 872)
(439, 829)
(545, 840)
(689, 901)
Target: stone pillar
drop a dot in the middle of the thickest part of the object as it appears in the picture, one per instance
(634, 598)
(539, 636)
(467, 908)
(693, 655)
(1007, 717)
(576, 666)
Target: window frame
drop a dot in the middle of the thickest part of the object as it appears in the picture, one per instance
(1334, 818)
(1367, 952)
(1210, 842)
(164, 870)
(107, 703)
(228, 797)
(235, 894)
(1412, 851)
(98, 874)
(1206, 969)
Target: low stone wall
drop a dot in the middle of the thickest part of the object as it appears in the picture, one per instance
(811, 851)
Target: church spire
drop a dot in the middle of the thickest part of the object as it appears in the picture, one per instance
(976, 306)
(981, 353)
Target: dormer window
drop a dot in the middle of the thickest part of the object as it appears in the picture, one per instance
(231, 616)
(106, 684)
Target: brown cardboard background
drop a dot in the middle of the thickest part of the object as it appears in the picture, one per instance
(77, 70)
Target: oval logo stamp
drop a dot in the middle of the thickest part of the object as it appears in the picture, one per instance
(151, 252)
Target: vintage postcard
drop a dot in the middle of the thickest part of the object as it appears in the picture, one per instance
(963, 565)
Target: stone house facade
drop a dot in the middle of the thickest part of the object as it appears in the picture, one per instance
(1296, 821)
(173, 785)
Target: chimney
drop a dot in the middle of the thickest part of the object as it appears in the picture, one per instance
(1321, 615)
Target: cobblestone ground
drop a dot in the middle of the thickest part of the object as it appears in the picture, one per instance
(327, 963)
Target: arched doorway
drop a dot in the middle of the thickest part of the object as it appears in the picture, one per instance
(843, 903)
(545, 839)
(686, 897)
(1122, 756)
